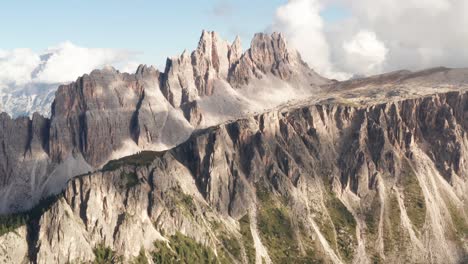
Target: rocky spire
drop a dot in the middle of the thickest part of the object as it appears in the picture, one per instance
(210, 61)
(215, 59)
(268, 54)
(178, 83)
(144, 69)
(189, 76)
(235, 51)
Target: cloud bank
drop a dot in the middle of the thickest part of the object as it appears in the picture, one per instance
(301, 22)
(376, 36)
(59, 64)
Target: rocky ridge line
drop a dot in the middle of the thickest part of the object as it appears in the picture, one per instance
(327, 182)
(107, 114)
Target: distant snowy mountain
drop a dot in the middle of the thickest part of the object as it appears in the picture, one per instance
(28, 99)
(28, 80)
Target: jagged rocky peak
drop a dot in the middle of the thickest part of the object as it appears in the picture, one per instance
(191, 75)
(96, 114)
(214, 51)
(266, 50)
(371, 170)
(188, 76)
(178, 83)
(235, 52)
(144, 69)
(210, 61)
(107, 114)
(271, 55)
(215, 59)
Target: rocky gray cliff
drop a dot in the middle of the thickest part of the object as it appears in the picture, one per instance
(239, 157)
(107, 115)
(327, 182)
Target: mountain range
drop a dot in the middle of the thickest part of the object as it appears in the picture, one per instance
(232, 156)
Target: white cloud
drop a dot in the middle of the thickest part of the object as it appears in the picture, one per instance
(418, 33)
(303, 26)
(28, 78)
(393, 9)
(365, 52)
(130, 67)
(377, 36)
(68, 61)
(16, 66)
(60, 64)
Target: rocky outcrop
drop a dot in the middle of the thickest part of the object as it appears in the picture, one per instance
(366, 171)
(210, 61)
(101, 116)
(269, 54)
(14, 246)
(107, 115)
(326, 182)
(179, 84)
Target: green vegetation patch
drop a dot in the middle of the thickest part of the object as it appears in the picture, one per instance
(263, 194)
(313, 254)
(372, 217)
(393, 235)
(143, 158)
(277, 234)
(182, 201)
(224, 258)
(9, 223)
(182, 249)
(247, 238)
(187, 201)
(105, 255)
(345, 227)
(277, 230)
(310, 258)
(129, 179)
(413, 197)
(376, 259)
(231, 244)
(460, 223)
(327, 229)
(141, 258)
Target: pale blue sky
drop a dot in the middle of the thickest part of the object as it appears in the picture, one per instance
(155, 29)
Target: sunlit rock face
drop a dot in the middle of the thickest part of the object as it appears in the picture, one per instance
(243, 157)
(330, 182)
(107, 114)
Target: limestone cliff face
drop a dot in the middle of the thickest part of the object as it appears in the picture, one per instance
(268, 54)
(364, 171)
(106, 114)
(330, 182)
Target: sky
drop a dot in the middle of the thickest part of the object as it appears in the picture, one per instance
(55, 41)
(151, 29)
